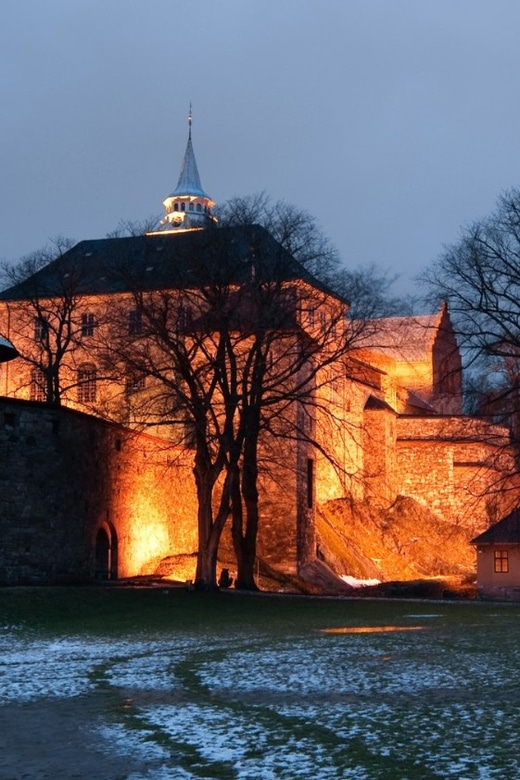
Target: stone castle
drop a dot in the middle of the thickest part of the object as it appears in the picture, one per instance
(85, 497)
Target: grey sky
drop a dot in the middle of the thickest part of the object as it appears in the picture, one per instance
(395, 122)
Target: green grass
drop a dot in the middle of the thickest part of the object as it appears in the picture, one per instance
(111, 610)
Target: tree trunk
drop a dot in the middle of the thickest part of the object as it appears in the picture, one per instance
(245, 496)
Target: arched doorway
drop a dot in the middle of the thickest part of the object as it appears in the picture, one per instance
(105, 553)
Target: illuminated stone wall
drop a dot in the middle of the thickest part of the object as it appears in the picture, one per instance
(65, 475)
(454, 465)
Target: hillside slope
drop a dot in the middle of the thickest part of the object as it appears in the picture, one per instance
(403, 542)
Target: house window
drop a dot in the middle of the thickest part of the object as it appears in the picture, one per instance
(501, 561)
(41, 328)
(88, 323)
(310, 483)
(37, 386)
(87, 383)
(134, 383)
(135, 324)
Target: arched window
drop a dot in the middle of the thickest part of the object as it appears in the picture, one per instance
(199, 207)
(191, 206)
(183, 207)
(37, 386)
(87, 383)
(175, 206)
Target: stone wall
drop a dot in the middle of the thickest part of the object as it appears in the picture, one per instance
(65, 476)
(454, 465)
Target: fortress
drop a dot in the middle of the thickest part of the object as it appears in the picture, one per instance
(93, 488)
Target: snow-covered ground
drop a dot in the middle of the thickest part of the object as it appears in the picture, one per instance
(440, 702)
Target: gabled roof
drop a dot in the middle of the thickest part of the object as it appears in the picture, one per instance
(230, 255)
(406, 339)
(507, 531)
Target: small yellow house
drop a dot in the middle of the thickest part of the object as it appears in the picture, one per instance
(498, 559)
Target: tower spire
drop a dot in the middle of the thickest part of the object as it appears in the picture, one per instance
(188, 207)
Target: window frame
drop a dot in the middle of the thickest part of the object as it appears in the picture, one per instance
(501, 561)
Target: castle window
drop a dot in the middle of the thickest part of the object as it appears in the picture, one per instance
(199, 207)
(323, 322)
(133, 383)
(37, 386)
(310, 483)
(41, 328)
(184, 317)
(135, 324)
(501, 561)
(87, 383)
(88, 323)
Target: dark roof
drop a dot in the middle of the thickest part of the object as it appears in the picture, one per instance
(507, 531)
(165, 261)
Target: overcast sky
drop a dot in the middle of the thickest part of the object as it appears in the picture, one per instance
(394, 122)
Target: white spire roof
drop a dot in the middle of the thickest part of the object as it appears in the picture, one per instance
(189, 180)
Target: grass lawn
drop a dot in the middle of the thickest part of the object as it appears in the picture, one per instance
(170, 684)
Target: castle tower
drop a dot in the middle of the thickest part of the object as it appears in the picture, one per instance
(188, 207)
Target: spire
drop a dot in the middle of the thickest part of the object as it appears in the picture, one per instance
(188, 207)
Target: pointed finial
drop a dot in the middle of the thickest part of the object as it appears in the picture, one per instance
(189, 122)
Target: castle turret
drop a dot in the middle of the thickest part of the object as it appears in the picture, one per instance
(188, 207)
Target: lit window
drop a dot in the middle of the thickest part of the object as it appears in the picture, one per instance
(501, 561)
(37, 386)
(87, 383)
(41, 328)
(135, 324)
(88, 323)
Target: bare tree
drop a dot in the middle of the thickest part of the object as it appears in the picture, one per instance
(479, 277)
(232, 355)
(42, 300)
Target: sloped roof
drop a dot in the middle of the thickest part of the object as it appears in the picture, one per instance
(189, 180)
(406, 339)
(165, 261)
(507, 531)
